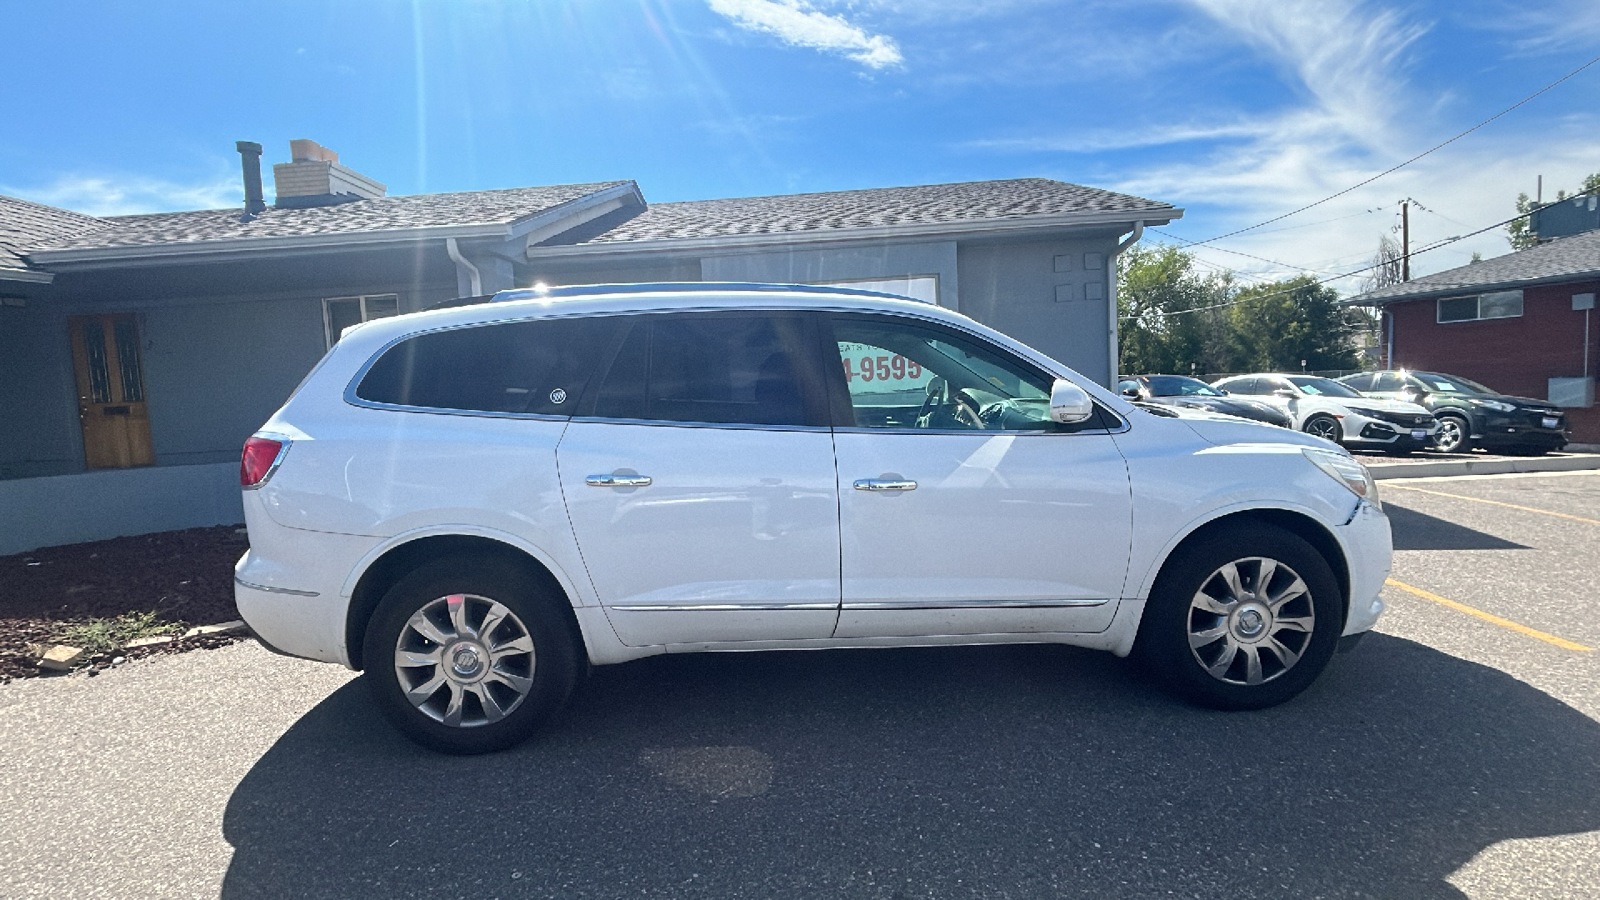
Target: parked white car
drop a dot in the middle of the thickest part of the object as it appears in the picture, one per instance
(472, 504)
(1334, 412)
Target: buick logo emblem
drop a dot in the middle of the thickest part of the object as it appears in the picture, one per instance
(558, 396)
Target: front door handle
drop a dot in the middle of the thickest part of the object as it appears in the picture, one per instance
(617, 481)
(885, 484)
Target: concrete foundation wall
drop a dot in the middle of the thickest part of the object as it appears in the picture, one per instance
(94, 506)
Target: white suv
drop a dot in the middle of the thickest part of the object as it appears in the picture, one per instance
(473, 504)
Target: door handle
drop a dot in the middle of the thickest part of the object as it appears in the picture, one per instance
(617, 481)
(885, 484)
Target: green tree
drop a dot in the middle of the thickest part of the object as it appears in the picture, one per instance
(1520, 231)
(1171, 315)
(1277, 325)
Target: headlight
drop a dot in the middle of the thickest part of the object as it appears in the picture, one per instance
(1495, 405)
(1345, 470)
(1363, 411)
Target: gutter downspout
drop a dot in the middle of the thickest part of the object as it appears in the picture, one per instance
(1111, 298)
(461, 263)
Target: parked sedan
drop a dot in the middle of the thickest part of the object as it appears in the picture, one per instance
(1334, 412)
(1470, 415)
(1192, 393)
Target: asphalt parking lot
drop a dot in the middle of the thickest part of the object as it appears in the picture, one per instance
(1455, 753)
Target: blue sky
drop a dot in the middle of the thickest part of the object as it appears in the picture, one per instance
(1236, 110)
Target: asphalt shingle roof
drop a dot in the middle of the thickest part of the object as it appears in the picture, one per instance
(1577, 256)
(24, 226)
(953, 204)
(502, 207)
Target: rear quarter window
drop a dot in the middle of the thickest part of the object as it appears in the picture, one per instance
(538, 367)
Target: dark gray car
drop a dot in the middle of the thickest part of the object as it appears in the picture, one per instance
(1192, 393)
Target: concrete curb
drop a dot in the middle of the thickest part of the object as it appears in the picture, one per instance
(1563, 463)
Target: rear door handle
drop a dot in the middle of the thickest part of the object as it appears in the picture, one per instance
(617, 481)
(885, 484)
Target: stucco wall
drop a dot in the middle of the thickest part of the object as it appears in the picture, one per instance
(94, 506)
(1045, 295)
(39, 432)
(1517, 356)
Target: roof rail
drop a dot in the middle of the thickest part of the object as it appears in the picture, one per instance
(682, 287)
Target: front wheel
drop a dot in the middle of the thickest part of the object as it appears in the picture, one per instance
(1455, 435)
(1243, 619)
(469, 655)
(1323, 426)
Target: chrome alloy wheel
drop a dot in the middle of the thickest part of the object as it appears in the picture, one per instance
(464, 660)
(1251, 621)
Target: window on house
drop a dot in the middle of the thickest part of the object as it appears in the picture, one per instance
(339, 313)
(1498, 305)
(917, 287)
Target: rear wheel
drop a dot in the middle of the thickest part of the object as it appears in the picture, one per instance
(1455, 435)
(469, 655)
(1243, 619)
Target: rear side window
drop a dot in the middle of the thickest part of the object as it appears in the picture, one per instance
(723, 369)
(1243, 386)
(1361, 382)
(535, 367)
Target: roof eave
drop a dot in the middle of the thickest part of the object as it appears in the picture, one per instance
(949, 230)
(1464, 290)
(26, 275)
(215, 250)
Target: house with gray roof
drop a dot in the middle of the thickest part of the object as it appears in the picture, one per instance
(1522, 323)
(138, 352)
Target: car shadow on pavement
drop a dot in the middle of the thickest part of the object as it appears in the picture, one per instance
(1027, 771)
(1420, 531)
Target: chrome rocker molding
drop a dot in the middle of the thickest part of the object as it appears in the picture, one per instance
(274, 590)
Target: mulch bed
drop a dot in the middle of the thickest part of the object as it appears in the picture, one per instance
(185, 577)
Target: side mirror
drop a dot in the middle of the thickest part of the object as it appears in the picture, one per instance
(1069, 404)
(1413, 395)
(1285, 393)
(1132, 393)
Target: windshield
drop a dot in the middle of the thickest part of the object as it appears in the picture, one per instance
(1179, 386)
(1324, 387)
(1451, 384)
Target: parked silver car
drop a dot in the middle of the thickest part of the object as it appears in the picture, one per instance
(1334, 412)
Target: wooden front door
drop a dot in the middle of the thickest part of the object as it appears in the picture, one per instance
(111, 397)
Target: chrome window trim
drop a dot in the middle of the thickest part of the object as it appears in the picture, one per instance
(974, 604)
(674, 423)
(353, 400)
(274, 590)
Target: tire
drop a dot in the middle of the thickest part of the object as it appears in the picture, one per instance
(449, 683)
(1324, 426)
(1199, 636)
(1455, 435)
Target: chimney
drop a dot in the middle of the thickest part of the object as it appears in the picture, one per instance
(314, 177)
(250, 159)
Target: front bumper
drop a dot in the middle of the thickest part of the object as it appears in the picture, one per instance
(1369, 553)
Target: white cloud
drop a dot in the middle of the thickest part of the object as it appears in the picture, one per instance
(118, 195)
(797, 23)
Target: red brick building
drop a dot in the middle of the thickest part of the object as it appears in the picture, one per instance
(1523, 324)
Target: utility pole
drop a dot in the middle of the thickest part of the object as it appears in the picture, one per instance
(1405, 240)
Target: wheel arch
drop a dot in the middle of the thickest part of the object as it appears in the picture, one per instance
(397, 560)
(1296, 523)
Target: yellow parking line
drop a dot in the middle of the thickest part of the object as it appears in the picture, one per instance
(1563, 643)
(1531, 509)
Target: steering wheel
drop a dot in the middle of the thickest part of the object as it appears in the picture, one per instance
(935, 398)
(966, 409)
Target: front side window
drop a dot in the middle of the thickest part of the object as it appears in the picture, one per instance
(339, 313)
(1362, 382)
(903, 374)
(716, 369)
(1386, 381)
(537, 367)
(1246, 386)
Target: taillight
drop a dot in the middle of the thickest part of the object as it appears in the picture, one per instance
(260, 458)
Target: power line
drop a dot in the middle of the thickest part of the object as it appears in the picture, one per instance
(1434, 246)
(1408, 162)
(1280, 265)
